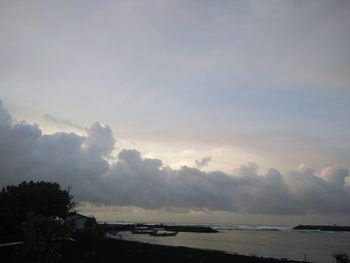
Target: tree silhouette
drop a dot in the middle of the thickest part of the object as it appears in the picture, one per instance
(33, 198)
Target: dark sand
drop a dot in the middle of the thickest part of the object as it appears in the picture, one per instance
(111, 250)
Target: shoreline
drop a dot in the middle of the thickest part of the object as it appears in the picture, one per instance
(114, 250)
(178, 228)
(108, 250)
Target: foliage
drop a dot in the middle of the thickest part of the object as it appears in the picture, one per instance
(341, 257)
(41, 236)
(38, 198)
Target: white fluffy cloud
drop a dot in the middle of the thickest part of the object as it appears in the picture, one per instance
(79, 161)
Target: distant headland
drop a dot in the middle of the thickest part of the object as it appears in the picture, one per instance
(323, 227)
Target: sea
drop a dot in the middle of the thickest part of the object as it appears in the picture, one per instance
(258, 240)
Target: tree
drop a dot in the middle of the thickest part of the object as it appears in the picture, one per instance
(33, 198)
(41, 237)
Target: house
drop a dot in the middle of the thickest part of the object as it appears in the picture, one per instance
(81, 222)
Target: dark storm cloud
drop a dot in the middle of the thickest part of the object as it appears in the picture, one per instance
(79, 161)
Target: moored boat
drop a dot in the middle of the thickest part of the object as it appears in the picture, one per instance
(163, 233)
(142, 230)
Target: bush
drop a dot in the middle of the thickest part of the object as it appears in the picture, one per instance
(39, 236)
(341, 257)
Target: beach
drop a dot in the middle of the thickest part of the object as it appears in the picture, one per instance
(111, 250)
(92, 248)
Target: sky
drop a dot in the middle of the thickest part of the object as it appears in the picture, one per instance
(194, 111)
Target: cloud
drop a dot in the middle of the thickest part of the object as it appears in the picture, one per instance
(131, 180)
(64, 123)
(100, 140)
(204, 162)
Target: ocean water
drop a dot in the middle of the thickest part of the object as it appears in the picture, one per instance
(266, 241)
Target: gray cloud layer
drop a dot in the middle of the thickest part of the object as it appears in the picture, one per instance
(79, 161)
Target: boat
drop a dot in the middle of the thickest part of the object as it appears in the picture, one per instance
(163, 233)
(114, 236)
(142, 230)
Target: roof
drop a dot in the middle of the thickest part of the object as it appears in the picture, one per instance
(77, 215)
